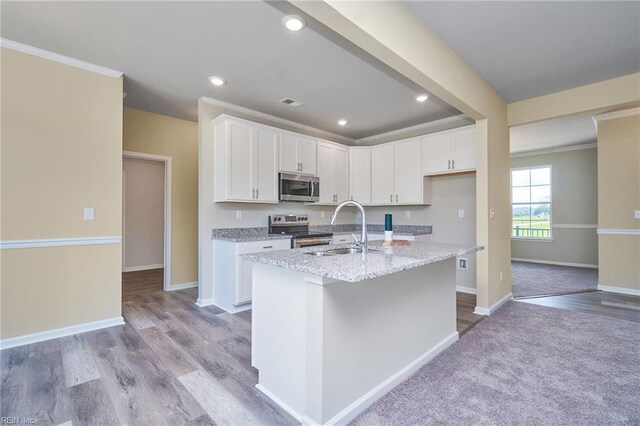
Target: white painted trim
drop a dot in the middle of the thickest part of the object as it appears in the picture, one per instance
(204, 302)
(167, 206)
(142, 268)
(533, 240)
(59, 242)
(41, 336)
(544, 151)
(617, 114)
(286, 407)
(467, 290)
(620, 290)
(417, 128)
(362, 403)
(24, 48)
(183, 286)
(228, 308)
(275, 119)
(551, 262)
(618, 231)
(574, 226)
(484, 311)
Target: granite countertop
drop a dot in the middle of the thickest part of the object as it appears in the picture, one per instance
(356, 267)
(373, 229)
(240, 235)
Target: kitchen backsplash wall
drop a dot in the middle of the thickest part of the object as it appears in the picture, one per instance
(256, 214)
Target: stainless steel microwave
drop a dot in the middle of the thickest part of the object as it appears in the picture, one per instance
(301, 188)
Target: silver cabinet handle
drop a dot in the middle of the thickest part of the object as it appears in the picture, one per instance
(257, 189)
(396, 198)
(253, 194)
(352, 197)
(301, 166)
(453, 163)
(267, 247)
(448, 164)
(391, 198)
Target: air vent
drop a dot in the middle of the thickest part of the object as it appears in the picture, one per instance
(290, 102)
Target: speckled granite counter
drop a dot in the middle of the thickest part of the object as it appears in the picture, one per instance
(240, 235)
(373, 229)
(356, 267)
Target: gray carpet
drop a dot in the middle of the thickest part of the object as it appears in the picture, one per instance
(525, 365)
(533, 279)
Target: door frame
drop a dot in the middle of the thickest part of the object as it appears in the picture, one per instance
(167, 208)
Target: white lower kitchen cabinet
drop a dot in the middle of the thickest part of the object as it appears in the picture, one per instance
(232, 275)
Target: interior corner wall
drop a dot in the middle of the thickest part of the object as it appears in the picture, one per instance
(574, 197)
(619, 197)
(151, 133)
(61, 142)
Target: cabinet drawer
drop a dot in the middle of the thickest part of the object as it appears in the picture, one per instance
(267, 245)
(342, 239)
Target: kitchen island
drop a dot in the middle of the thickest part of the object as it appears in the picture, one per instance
(331, 334)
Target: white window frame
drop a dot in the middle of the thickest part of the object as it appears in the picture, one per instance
(536, 239)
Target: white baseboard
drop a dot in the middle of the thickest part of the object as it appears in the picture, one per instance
(468, 290)
(228, 308)
(620, 290)
(182, 286)
(362, 403)
(41, 336)
(281, 404)
(488, 311)
(551, 262)
(142, 268)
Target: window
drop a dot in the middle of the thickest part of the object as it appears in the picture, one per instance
(531, 202)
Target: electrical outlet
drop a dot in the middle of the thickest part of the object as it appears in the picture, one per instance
(492, 214)
(463, 263)
(501, 277)
(238, 214)
(637, 214)
(461, 213)
(89, 213)
(322, 214)
(407, 213)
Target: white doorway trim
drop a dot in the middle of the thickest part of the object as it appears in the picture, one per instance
(167, 208)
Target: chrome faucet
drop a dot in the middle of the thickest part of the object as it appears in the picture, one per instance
(364, 243)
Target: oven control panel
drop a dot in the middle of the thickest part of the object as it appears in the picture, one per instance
(289, 219)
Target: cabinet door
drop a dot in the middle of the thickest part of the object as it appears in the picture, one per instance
(464, 146)
(307, 155)
(325, 173)
(240, 179)
(289, 152)
(266, 165)
(341, 173)
(245, 283)
(382, 174)
(408, 172)
(437, 154)
(360, 175)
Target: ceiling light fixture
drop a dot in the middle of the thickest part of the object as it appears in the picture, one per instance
(342, 122)
(422, 98)
(294, 22)
(217, 81)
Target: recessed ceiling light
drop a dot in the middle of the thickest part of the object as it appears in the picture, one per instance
(217, 81)
(422, 98)
(342, 122)
(294, 22)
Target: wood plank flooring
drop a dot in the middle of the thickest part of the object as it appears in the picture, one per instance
(612, 305)
(171, 363)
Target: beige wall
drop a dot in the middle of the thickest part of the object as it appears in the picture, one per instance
(61, 151)
(171, 137)
(574, 186)
(143, 219)
(619, 196)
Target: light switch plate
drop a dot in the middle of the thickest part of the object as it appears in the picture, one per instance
(637, 214)
(407, 213)
(461, 213)
(322, 214)
(89, 213)
(238, 214)
(463, 263)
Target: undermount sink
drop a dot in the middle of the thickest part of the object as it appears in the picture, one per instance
(337, 252)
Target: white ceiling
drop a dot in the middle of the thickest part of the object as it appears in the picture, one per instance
(574, 130)
(167, 50)
(526, 49)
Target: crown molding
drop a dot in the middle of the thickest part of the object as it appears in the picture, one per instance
(544, 151)
(616, 114)
(24, 48)
(233, 107)
(412, 129)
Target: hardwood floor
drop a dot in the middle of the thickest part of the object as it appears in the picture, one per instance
(171, 363)
(595, 302)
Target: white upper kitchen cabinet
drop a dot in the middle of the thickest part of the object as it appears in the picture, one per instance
(452, 151)
(360, 174)
(246, 161)
(297, 153)
(408, 180)
(333, 173)
(382, 174)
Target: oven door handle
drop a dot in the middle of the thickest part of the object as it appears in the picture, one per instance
(312, 242)
(311, 186)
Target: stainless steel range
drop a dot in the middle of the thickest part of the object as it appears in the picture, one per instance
(298, 227)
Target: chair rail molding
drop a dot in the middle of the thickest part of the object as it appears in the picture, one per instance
(59, 242)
